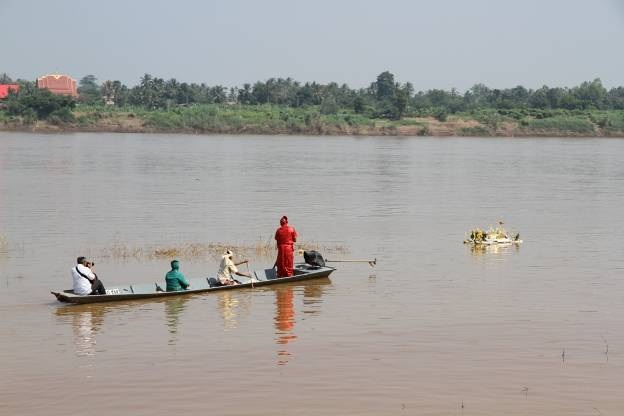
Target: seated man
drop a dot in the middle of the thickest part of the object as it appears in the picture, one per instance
(175, 279)
(85, 281)
(227, 268)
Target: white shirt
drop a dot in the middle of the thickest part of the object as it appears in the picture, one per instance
(82, 286)
(226, 269)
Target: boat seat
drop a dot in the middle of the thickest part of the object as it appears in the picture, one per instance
(143, 288)
(266, 274)
(199, 283)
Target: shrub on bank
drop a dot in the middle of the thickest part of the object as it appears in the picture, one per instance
(475, 131)
(615, 126)
(489, 117)
(279, 119)
(611, 122)
(561, 125)
(61, 116)
(410, 122)
(239, 118)
(32, 103)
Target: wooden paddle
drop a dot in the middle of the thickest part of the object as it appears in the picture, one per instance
(250, 276)
(371, 263)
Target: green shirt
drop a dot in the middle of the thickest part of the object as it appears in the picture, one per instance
(175, 281)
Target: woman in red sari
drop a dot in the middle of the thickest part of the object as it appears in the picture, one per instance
(285, 237)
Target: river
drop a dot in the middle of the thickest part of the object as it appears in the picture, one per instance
(437, 328)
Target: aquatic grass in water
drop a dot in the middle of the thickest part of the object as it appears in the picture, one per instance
(195, 251)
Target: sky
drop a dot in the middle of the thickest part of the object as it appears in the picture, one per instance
(432, 44)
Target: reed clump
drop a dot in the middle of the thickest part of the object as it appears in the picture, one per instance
(194, 251)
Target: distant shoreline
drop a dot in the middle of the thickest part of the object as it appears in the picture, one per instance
(287, 107)
(286, 121)
(443, 131)
(44, 128)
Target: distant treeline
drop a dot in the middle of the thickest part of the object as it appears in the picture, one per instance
(384, 98)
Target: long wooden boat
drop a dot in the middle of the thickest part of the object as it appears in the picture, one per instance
(199, 285)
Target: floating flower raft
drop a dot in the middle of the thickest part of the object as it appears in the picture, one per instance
(493, 236)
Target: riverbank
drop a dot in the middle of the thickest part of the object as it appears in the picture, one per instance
(223, 119)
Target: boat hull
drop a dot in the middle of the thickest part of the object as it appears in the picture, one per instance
(262, 278)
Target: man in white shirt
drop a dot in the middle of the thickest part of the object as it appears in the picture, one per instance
(85, 281)
(227, 268)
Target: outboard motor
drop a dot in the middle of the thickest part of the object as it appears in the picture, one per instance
(314, 258)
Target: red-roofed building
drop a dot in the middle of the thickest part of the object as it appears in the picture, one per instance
(58, 84)
(6, 88)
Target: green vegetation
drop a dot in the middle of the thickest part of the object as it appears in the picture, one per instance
(561, 124)
(287, 106)
(477, 131)
(31, 104)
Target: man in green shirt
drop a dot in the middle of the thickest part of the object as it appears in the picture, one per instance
(175, 280)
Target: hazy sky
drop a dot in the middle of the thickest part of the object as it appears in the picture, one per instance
(433, 44)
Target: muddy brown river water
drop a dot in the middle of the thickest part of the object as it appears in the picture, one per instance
(435, 329)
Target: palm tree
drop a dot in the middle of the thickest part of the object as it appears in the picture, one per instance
(5, 79)
(108, 92)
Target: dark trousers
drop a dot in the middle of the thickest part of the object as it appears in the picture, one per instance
(97, 287)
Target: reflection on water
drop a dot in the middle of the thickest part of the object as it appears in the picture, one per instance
(284, 321)
(85, 322)
(85, 328)
(312, 294)
(482, 249)
(173, 309)
(285, 315)
(232, 305)
(227, 304)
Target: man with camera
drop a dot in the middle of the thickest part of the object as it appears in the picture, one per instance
(85, 281)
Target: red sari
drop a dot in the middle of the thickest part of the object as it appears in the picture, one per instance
(285, 237)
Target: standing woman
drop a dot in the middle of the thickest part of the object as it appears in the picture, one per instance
(286, 236)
